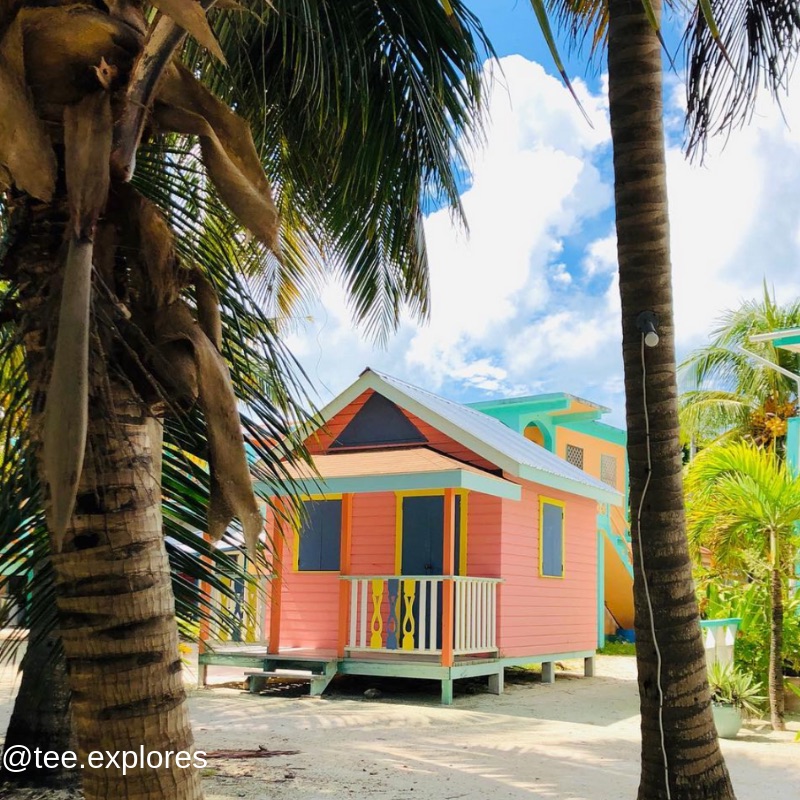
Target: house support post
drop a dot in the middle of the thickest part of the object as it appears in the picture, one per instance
(276, 588)
(588, 666)
(497, 681)
(447, 691)
(345, 587)
(548, 672)
(448, 590)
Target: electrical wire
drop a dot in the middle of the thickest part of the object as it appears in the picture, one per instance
(644, 575)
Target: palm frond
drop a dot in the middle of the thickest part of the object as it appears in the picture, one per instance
(736, 495)
(722, 385)
(360, 112)
(757, 49)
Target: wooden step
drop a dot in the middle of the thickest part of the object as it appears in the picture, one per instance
(301, 674)
(257, 679)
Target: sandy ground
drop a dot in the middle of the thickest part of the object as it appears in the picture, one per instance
(574, 740)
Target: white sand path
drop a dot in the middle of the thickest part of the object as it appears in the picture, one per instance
(577, 739)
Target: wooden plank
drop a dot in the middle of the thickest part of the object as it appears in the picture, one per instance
(229, 659)
(363, 589)
(276, 589)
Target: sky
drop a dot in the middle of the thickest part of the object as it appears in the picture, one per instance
(528, 301)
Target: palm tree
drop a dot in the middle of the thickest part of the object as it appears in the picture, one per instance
(354, 110)
(680, 755)
(743, 504)
(730, 395)
(41, 715)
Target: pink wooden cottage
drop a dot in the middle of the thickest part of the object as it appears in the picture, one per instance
(437, 543)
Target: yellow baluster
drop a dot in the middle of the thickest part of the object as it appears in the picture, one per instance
(376, 640)
(409, 623)
(251, 613)
(225, 602)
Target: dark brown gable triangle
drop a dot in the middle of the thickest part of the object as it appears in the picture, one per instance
(378, 422)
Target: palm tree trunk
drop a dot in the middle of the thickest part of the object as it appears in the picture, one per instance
(776, 696)
(690, 762)
(41, 715)
(113, 589)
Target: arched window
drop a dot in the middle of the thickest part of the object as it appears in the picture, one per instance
(535, 434)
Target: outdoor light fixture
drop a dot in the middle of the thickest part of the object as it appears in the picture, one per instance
(646, 323)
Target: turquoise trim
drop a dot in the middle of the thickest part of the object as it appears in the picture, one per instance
(548, 432)
(793, 443)
(407, 482)
(599, 430)
(536, 404)
(568, 485)
(720, 623)
(787, 341)
(411, 669)
(575, 417)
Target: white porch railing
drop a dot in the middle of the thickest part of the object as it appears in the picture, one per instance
(403, 613)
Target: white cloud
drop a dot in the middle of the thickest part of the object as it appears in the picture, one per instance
(529, 301)
(601, 256)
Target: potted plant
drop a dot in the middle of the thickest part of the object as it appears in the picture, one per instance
(734, 694)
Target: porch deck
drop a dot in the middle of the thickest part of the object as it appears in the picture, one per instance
(322, 666)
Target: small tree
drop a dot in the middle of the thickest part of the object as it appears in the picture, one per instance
(731, 395)
(743, 504)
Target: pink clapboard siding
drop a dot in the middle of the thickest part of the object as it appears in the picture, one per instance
(310, 601)
(547, 615)
(483, 535)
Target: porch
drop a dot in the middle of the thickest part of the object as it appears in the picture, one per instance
(444, 616)
(319, 668)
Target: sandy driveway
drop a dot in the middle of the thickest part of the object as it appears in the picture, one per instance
(576, 739)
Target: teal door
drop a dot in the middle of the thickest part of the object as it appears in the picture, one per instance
(423, 549)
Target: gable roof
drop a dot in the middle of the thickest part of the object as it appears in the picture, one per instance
(484, 435)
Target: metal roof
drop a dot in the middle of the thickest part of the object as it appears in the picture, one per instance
(482, 434)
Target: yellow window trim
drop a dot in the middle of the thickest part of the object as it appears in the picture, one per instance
(398, 525)
(563, 506)
(296, 545)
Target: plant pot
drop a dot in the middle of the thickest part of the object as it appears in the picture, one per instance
(728, 720)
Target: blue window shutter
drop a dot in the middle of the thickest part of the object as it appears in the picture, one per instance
(320, 536)
(552, 541)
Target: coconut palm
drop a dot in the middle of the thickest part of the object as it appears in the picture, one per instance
(41, 709)
(122, 130)
(730, 395)
(743, 504)
(722, 36)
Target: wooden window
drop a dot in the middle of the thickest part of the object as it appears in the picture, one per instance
(551, 538)
(575, 456)
(320, 535)
(608, 470)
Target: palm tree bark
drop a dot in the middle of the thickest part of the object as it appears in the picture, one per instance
(776, 696)
(113, 588)
(41, 715)
(690, 765)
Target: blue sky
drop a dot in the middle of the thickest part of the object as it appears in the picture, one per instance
(528, 302)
